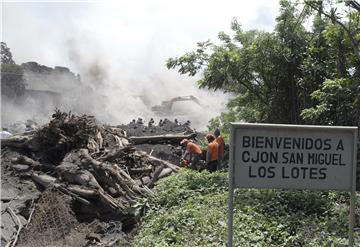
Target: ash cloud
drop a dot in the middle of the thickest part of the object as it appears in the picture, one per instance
(104, 90)
(119, 50)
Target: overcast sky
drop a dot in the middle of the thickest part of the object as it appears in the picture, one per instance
(135, 34)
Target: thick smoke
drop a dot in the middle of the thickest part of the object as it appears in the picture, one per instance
(105, 90)
(119, 95)
(119, 50)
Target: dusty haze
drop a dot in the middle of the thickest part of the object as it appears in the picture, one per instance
(120, 49)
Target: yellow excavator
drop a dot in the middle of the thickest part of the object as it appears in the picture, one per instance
(165, 108)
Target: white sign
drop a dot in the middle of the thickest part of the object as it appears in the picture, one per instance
(293, 157)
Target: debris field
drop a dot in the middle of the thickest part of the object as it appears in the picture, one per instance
(77, 182)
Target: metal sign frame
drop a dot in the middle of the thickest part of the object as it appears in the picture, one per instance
(234, 126)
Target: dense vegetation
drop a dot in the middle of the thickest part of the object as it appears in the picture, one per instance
(190, 209)
(295, 74)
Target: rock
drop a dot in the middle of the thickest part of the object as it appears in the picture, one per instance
(8, 228)
(93, 237)
(21, 168)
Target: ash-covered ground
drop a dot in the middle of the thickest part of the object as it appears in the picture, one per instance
(48, 197)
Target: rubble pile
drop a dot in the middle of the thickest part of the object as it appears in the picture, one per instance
(161, 139)
(58, 179)
(164, 126)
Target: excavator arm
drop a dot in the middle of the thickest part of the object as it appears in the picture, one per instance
(166, 106)
(184, 98)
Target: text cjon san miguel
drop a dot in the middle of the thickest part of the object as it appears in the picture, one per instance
(300, 157)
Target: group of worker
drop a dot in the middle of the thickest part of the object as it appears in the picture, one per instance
(162, 122)
(214, 153)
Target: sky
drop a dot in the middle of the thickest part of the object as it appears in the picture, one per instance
(131, 39)
(137, 33)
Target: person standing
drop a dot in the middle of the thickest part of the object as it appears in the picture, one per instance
(212, 155)
(220, 140)
(194, 152)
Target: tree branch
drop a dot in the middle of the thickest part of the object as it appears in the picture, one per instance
(332, 17)
(354, 5)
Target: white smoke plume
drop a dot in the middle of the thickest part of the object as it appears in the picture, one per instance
(120, 49)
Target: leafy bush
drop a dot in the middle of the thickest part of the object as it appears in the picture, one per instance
(339, 104)
(190, 209)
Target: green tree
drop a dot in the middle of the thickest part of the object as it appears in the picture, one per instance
(338, 104)
(12, 75)
(260, 68)
(337, 100)
(6, 56)
(272, 75)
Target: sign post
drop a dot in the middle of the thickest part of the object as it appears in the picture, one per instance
(353, 194)
(292, 157)
(231, 189)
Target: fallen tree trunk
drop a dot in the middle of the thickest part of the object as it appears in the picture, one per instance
(84, 192)
(44, 180)
(158, 162)
(141, 170)
(165, 172)
(22, 159)
(22, 142)
(161, 138)
(116, 153)
(115, 176)
(79, 193)
(47, 181)
(155, 176)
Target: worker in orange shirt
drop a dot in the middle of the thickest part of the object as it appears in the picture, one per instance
(193, 151)
(220, 140)
(212, 155)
